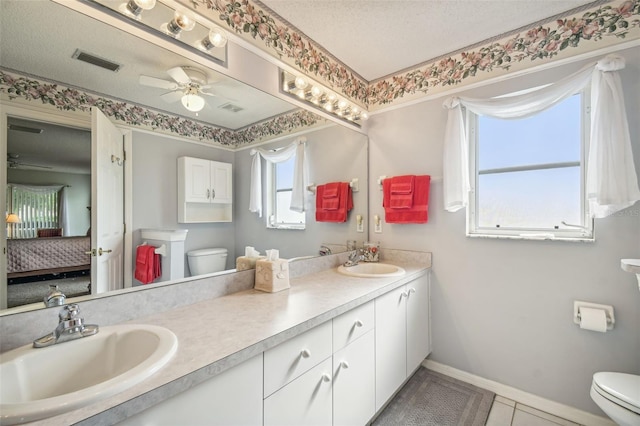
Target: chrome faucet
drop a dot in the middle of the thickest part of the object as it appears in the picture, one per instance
(324, 250)
(55, 297)
(70, 327)
(354, 258)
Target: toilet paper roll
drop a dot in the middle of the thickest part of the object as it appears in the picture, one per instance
(593, 319)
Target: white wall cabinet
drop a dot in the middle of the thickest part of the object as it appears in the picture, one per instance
(232, 398)
(402, 336)
(205, 190)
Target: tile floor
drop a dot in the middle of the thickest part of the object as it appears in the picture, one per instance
(505, 412)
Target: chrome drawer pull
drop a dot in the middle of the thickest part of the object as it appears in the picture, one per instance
(305, 353)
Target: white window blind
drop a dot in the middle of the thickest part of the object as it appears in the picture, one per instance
(38, 207)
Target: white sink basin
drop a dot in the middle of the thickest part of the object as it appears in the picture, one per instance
(43, 382)
(372, 270)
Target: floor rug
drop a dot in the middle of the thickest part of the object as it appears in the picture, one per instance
(430, 398)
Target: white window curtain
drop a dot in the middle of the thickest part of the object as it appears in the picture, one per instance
(278, 156)
(612, 183)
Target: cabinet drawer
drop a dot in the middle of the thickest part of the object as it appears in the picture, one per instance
(290, 359)
(351, 325)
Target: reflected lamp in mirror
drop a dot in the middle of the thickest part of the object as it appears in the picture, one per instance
(320, 97)
(181, 21)
(216, 38)
(11, 220)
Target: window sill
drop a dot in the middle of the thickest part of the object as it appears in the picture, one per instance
(534, 237)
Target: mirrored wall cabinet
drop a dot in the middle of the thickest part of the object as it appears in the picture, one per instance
(204, 191)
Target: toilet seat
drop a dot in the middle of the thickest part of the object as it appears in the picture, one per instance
(619, 388)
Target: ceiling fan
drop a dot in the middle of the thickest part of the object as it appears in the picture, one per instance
(187, 86)
(13, 163)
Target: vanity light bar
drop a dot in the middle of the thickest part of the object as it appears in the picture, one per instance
(320, 97)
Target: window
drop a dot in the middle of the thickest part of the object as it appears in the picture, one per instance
(528, 174)
(36, 207)
(280, 187)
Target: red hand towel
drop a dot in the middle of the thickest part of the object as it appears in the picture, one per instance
(331, 196)
(418, 213)
(146, 264)
(345, 203)
(401, 192)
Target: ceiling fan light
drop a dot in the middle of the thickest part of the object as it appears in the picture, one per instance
(193, 102)
(216, 38)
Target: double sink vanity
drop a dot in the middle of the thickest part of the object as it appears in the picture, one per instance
(332, 349)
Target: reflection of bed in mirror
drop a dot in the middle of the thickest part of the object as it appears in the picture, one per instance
(43, 256)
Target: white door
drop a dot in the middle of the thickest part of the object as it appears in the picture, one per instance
(107, 205)
(221, 176)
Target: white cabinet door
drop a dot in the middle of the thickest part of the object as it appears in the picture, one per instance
(221, 183)
(304, 401)
(197, 180)
(418, 342)
(391, 338)
(231, 398)
(354, 382)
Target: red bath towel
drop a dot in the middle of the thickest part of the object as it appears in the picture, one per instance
(399, 210)
(333, 202)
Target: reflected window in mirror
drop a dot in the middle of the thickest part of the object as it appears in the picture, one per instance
(279, 193)
(35, 208)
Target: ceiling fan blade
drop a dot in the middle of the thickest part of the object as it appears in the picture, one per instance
(217, 96)
(179, 75)
(145, 80)
(172, 96)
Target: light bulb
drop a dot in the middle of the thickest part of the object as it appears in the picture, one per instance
(301, 83)
(328, 106)
(193, 102)
(301, 94)
(181, 21)
(216, 38)
(342, 104)
(364, 116)
(134, 8)
(316, 92)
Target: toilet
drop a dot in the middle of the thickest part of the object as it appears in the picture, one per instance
(206, 261)
(618, 395)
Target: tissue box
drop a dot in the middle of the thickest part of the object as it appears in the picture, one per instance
(272, 276)
(243, 262)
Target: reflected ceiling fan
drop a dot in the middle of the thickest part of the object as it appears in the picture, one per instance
(14, 163)
(188, 85)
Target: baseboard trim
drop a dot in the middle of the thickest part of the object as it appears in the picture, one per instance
(548, 406)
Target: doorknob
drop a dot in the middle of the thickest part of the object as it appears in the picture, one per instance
(91, 252)
(100, 251)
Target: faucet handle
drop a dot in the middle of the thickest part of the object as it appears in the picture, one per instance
(69, 312)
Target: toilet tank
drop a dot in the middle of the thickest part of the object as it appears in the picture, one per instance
(206, 261)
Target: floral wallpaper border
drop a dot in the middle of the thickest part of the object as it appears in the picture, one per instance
(252, 21)
(70, 99)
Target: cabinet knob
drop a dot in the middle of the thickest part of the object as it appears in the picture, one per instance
(404, 294)
(305, 353)
(359, 323)
(326, 378)
(213, 194)
(208, 194)
(411, 290)
(344, 364)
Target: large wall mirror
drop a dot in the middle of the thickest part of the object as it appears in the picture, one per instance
(41, 41)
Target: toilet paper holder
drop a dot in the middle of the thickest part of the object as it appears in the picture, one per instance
(608, 310)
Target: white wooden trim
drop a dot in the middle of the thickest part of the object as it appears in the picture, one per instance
(548, 406)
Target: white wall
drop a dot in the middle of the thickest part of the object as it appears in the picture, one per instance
(503, 309)
(333, 154)
(78, 193)
(155, 192)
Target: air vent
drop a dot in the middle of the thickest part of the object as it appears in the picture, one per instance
(94, 60)
(24, 129)
(231, 107)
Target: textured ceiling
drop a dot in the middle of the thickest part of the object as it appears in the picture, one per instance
(376, 38)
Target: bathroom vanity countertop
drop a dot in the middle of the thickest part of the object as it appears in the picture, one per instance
(217, 334)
